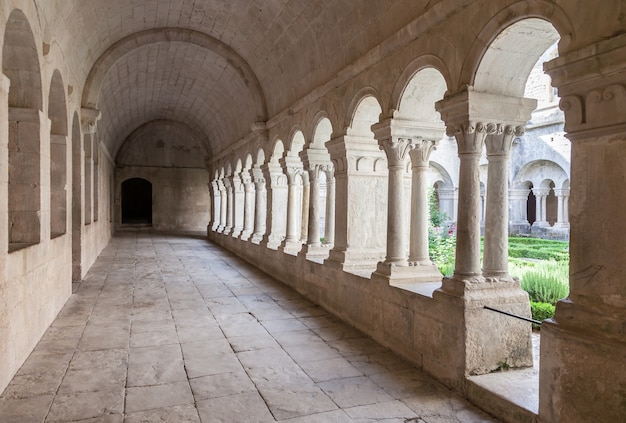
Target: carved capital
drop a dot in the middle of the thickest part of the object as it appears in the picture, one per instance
(89, 119)
(500, 142)
(397, 150)
(420, 154)
(470, 136)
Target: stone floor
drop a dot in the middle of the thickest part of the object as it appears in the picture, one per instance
(173, 329)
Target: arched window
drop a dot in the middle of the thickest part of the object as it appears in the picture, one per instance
(58, 154)
(136, 201)
(20, 64)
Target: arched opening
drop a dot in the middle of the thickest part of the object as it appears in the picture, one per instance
(531, 206)
(136, 202)
(20, 64)
(58, 153)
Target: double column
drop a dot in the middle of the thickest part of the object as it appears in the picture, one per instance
(405, 141)
(476, 119)
(317, 162)
(292, 167)
(260, 205)
(248, 205)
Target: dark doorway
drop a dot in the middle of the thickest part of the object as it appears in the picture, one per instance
(552, 204)
(531, 207)
(136, 201)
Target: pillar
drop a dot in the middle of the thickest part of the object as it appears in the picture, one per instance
(418, 246)
(238, 191)
(292, 168)
(230, 210)
(216, 206)
(518, 198)
(562, 196)
(260, 205)
(583, 348)
(275, 217)
(329, 235)
(496, 252)
(248, 206)
(223, 205)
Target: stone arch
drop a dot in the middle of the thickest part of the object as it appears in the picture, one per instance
(57, 113)
(20, 63)
(165, 35)
(322, 131)
(534, 10)
(412, 74)
(537, 171)
(364, 110)
(238, 166)
(278, 149)
(503, 64)
(260, 157)
(296, 142)
(136, 201)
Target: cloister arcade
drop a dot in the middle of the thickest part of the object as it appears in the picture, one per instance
(311, 156)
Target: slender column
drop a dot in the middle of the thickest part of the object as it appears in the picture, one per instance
(260, 205)
(292, 203)
(418, 246)
(248, 206)
(496, 254)
(329, 235)
(274, 217)
(238, 205)
(306, 201)
(561, 205)
(540, 206)
(216, 209)
(223, 205)
(229, 205)
(397, 156)
(313, 236)
(519, 219)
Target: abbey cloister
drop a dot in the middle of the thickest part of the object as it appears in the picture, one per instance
(304, 138)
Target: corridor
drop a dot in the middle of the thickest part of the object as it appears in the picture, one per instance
(169, 328)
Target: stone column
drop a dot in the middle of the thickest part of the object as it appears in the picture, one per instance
(238, 205)
(230, 210)
(540, 195)
(305, 206)
(260, 205)
(562, 196)
(329, 235)
(248, 206)
(518, 198)
(418, 247)
(216, 207)
(496, 253)
(291, 244)
(223, 205)
(313, 236)
(397, 151)
(583, 348)
(275, 217)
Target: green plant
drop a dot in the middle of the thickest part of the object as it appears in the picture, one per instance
(546, 283)
(504, 365)
(541, 311)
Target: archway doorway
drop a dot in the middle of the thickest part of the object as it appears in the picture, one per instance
(136, 202)
(531, 206)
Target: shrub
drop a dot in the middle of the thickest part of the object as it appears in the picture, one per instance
(541, 311)
(546, 282)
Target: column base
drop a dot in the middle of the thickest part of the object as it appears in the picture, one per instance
(407, 274)
(272, 242)
(314, 252)
(350, 260)
(256, 239)
(245, 235)
(290, 247)
(492, 339)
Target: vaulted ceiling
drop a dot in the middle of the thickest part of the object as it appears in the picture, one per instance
(217, 66)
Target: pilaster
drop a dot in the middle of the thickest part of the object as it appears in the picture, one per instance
(583, 348)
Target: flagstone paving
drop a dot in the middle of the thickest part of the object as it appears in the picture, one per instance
(171, 328)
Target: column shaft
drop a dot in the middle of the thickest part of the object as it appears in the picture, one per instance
(313, 236)
(329, 236)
